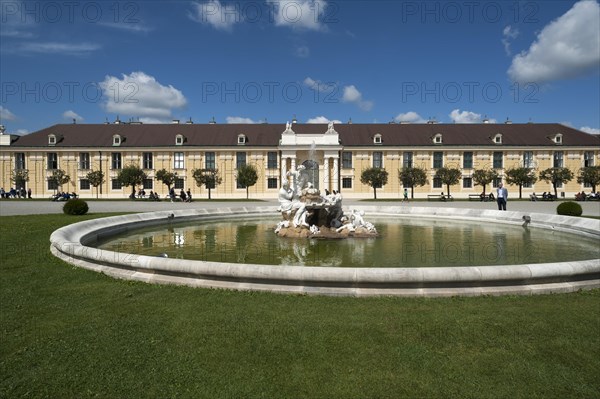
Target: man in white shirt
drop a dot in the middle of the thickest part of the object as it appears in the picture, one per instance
(501, 197)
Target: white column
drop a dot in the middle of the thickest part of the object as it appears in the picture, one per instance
(325, 173)
(283, 168)
(336, 172)
(293, 164)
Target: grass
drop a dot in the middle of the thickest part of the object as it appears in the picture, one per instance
(71, 333)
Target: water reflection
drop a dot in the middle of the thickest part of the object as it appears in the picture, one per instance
(402, 243)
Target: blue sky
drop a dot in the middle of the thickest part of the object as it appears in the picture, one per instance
(247, 61)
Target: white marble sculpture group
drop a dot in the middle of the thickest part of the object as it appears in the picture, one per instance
(306, 213)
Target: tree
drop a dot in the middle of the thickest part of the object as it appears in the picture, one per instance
(448, 176)
(132, 175)
(96, 178)
(20, 177)
(209, 178)
(483, 177)
(520, 176)
(589, 175)
(247, 176)
(411, 177)
(374, 177)
(165, 177)
(556, 176)
(60, 177)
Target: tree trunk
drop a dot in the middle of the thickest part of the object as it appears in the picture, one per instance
(412, 192)
(520, 187)
(246, 192)
(209, 193)
(448, 188)
(375, 191)
(555, 193)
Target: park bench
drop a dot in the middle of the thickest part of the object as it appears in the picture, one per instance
(439, 197)
(477, 197)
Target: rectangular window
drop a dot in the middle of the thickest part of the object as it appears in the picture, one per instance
(178, 160)
(496, 183)
(527, 185)
(240, 159)
(84, 160)
(467, 182)
(179, 184)
(528, 159)
(84, 184)
(558, 159)
(147, 160)
(209, 161)
(378, 159)
(468, 160)
(52, 184)
(52, 160)
(272, 182)
(347, 182)
(20, 160)
(437, 182)
(148, 184)
(116, 184)
(346, 160)
(438, 160)
(272, 160)
(407, 160)
(588, 159)
(116, 161)
(559, 185)
(498, 164)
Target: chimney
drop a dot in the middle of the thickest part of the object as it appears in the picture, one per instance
(190, 121)
(485, 119)
(2, 129)
(175, 122)
(507, 121)
(117, 121)
(212, 121)
(350, 121)
(294, 120)
(431, 121)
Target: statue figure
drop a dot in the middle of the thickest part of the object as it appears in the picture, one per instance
(330, 126)
(289, 203)
(288, 126)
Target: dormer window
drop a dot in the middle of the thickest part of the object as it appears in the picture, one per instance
(242, 139)
(179, 139)
(117, 140)
(51, 139)
(377, 139)
(437, 139)
(497, 139)
(558, 138)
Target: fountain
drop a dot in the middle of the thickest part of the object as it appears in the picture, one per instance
(306, 213)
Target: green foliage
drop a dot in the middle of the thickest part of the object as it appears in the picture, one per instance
(483, 177)
(569, 208)
(75, 207)
(247, 176)
(131, 175)
(520, 177)
(411, 177)
(589, 175)
(19, 176)
(165, 177)
(96, 178)
(209, 178)
(374, 177)
(556, 176)
(60, 177)
(448, 176)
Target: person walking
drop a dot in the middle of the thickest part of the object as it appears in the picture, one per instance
(405, 194)
(501, 197)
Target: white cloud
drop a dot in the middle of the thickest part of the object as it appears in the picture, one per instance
(239, 119)
(22, 132)
(154, 121)
(352, 95)
(467, 117)
(127, 26)
(58, 48)
(298, 14)
(213, 13)
(302, 51)
(590, 130)
(411, 117)
(567, 47)
(5, 114)
(140, 95)
(70, 115)
(322, 119)
(509, 34)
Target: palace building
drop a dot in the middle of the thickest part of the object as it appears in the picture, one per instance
(334, 155)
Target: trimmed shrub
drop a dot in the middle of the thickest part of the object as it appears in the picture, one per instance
(569, 208)
(75, 207)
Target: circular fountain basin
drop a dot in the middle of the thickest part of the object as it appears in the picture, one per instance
(74, 244)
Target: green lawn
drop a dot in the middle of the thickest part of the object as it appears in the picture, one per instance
(67, 332)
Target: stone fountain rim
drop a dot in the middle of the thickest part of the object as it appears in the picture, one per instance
(69, 244)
